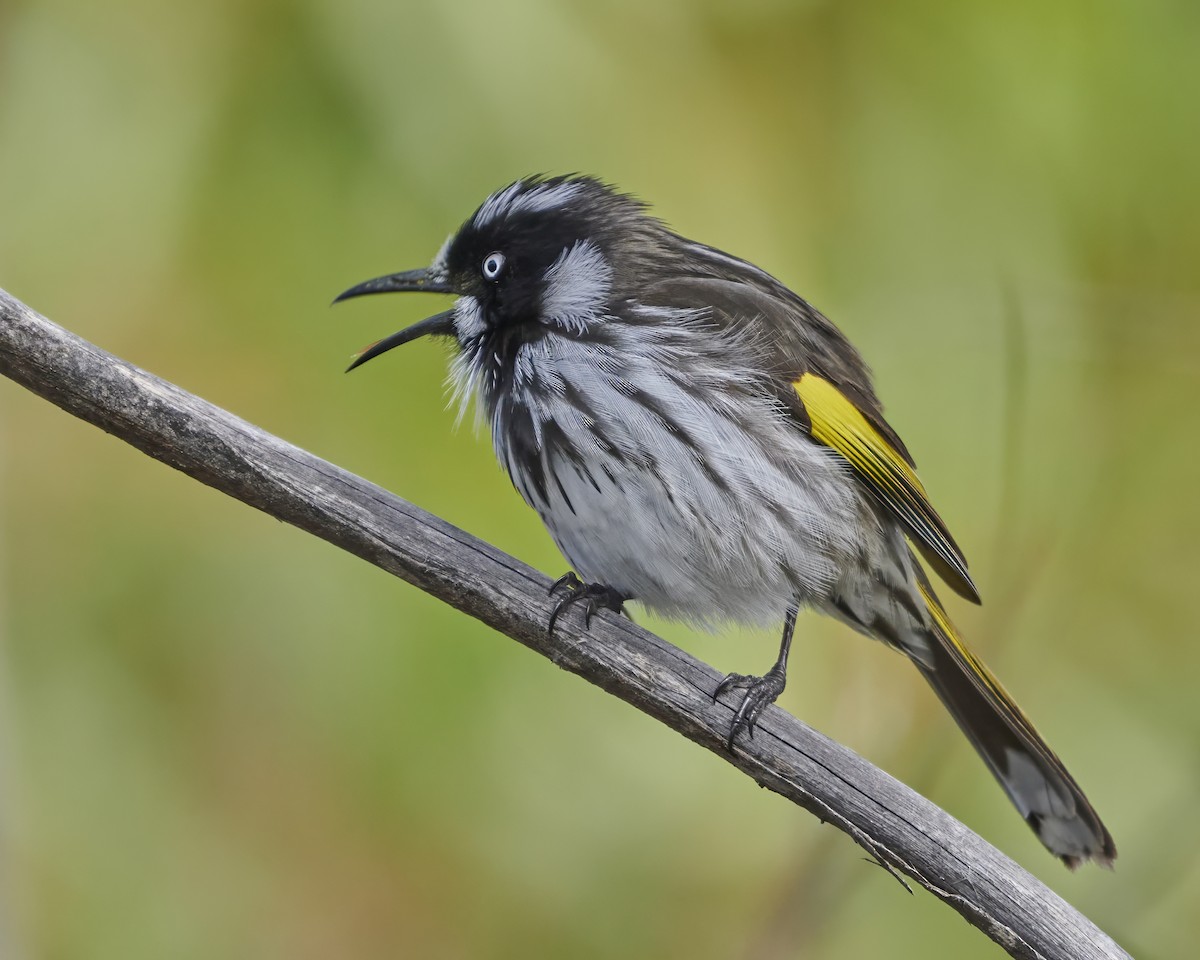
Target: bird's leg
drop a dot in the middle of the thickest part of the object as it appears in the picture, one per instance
(593, 596)
(762, 691)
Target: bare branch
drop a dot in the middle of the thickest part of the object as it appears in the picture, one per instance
(897, 826)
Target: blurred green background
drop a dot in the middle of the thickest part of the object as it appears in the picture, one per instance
(222, 737)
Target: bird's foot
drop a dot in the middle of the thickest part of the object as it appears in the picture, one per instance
(593, 596)
(761, 692)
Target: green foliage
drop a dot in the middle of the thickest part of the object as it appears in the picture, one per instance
(223, 738)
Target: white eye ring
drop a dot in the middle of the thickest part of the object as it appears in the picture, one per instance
(493, 265)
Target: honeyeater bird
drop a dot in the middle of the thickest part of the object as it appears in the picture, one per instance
(699, 439)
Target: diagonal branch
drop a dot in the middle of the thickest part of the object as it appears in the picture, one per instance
(897, 826)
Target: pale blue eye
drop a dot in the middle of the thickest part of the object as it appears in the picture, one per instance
(493, 265)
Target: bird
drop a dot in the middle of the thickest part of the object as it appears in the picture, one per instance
(699, 439)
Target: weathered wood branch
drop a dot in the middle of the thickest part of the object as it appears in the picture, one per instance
(897, 826)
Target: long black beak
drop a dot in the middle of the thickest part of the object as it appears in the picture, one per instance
(420, 281)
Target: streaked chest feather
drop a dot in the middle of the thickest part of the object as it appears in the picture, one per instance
(661, 471)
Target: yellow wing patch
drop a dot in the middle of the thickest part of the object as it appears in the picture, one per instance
(839, 424)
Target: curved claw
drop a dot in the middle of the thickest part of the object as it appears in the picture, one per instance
(594, 596)
(761, 692)
(574, 587)
(570, 580)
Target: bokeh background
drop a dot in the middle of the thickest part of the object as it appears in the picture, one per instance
(221, 737)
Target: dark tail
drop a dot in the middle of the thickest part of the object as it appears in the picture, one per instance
(1033, 777)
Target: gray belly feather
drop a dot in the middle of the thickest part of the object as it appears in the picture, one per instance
(701, 498)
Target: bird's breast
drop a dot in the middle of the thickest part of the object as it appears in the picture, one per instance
(689, 491)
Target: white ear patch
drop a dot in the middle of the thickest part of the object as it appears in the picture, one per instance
(576, 287)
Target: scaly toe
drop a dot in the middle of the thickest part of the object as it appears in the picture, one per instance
(761, 692)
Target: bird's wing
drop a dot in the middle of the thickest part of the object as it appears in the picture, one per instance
(834, 420)
(826, 385)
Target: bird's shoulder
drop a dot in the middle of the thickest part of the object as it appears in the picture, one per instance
(791, 337)
(818, 375)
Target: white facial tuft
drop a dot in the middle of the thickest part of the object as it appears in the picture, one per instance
(468, 319)
(521, 198)
(575, 288)
(439, 269)
(466, 374)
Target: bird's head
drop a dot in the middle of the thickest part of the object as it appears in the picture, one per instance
(542, 257)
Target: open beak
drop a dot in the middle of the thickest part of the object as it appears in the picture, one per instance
(419, 281)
